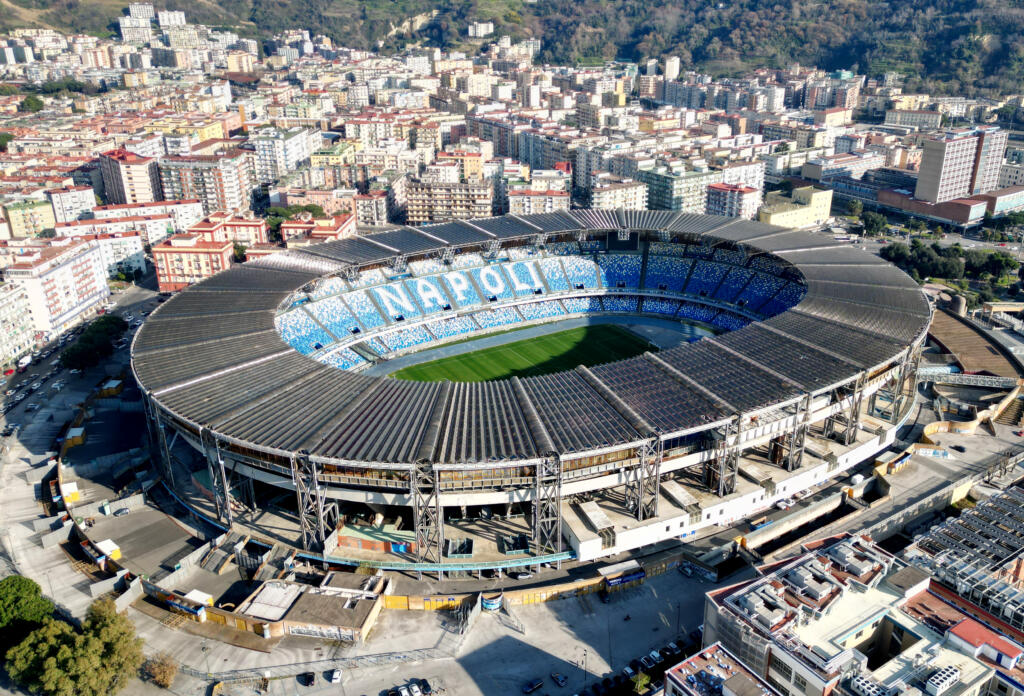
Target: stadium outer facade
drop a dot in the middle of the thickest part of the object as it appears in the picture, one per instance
(215, 372)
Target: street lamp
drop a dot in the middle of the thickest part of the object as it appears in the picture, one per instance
(583, 663)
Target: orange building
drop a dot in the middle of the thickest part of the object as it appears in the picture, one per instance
(187, 258)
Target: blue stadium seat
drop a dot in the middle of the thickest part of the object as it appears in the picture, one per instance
(526, 279)
(345, 359)
(657, 305)
(451, 326)
(554, 276)
(729, 322)
(365, 279)
(705, 277)
(733, 256)
(667, 249)
(301, 332)
(563, 248)
(465, 296)
(395, 299)
(581, 305)
(328, 287)
(697, 312)
(364, 309)
(467, 260)
(733, 283)
(616, 303)
(582, 272)
(407, 338)
(493, 282)
(332, 313)
(500, 316)
(541, 310)
(760, 288)
(426, 267)
(667, 271)
(766, 264)
(788, 297)
(620, 270)
(429, 294)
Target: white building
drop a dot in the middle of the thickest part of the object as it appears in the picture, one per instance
(122, 252)
(64, 283)
(530, 202)
(169, 18)
(279, 152)
(17, 337)
(612, 193)
(72, 202)
(733, 200)
(135, 30)
(184, 213)
(480, 30)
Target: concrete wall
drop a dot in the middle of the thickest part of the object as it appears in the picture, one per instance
(131, 593)
(57, 537)
(47, 524)
(109, 585)
(132, 502)
(37, 474)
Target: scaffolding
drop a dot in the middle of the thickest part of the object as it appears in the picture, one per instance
(720, 469)
(218, 476)
(643, 481)
(427, 513)
(547, 507)
(317, 517)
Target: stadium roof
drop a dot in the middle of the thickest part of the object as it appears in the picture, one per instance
(213, 357)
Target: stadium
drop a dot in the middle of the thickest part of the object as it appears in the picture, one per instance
(723, 365)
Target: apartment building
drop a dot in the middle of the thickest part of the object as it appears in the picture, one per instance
(371, 208)
(222, 226)
(71, 202)
(28, 218)
(614, 193)
(280, 151)
(187, 258)
(852, 164)
(427, 202)
(17, 335)
(914, 118)
(183, 213)
(960, 163)
(677, 189)
(733, 200)
(65, 283)
(528, 202)
(846, 618)
(220, 181)
(129, 178)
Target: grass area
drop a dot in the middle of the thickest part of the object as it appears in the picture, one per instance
(587, 345)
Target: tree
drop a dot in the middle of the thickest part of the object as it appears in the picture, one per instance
(57, 660)
(22, 610)
(48, 233)
(239, 252)
(22, 600)
(95, 343)
(640, 682)
(161, 670)
(874, 223)
(31, 104)
(855, 208)
(4, 139)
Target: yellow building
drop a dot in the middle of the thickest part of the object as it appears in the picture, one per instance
(29, 218)
(340, 154)
(804, 207)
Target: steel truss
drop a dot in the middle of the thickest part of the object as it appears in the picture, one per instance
(720, 470)
(427, 514)
(547, 506)
(218, 476)
(843, 425)
(161, 453)
(643, 480)
(317, 517)
(399, 264)
(447, 254)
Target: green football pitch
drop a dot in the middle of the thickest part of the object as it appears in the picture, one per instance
(588, 345)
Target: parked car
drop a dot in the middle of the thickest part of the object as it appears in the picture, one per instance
(414, 689)
(782, 505)
(521, 575)
(308, 678)
(32, 407)
(628, 672)
(532, 685)
(334, 676)
(958, 448)
(425, 686)
(559, 678)
(673, 648)
(124, 511)
(647, 662)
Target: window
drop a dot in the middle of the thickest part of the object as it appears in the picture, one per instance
(781, 667)
(799, 682)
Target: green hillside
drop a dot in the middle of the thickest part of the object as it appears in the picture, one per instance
(951, 46)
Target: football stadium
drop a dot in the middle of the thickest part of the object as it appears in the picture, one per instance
(509, 391)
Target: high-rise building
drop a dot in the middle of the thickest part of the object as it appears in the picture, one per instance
(135, 30)
(429, 202)
(671, 68)
(220, 181)
(279, 151)
(64, 284)
(71, 202)
(960, 163)
(16, 332)
(528, 202)
(614, 193)
(732, 200)
(141, 10)
(128, 178)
